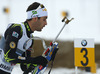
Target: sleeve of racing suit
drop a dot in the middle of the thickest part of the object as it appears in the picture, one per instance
(12, 35)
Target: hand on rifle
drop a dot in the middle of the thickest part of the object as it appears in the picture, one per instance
(39, 60)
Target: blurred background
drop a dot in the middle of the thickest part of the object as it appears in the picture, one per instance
(86, 24)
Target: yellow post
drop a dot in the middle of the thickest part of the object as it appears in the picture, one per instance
(93, 69)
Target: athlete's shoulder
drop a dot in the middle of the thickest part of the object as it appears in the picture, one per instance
(16, 27)
(14, 30)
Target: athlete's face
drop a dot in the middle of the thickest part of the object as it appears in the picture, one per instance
(41, 23)
(37, 24)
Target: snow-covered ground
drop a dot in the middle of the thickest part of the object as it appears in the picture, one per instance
(17, 70)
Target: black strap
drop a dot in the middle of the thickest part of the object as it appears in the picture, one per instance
(51, 67)
(52, 60)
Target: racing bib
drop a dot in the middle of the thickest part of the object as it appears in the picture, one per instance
(5, 66)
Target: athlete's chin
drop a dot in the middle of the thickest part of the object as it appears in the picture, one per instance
(39, 30)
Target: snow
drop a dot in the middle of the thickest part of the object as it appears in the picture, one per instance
(17, 70)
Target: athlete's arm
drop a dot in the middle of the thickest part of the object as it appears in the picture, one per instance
(12, 35)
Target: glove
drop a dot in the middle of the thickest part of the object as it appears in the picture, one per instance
(40, 60)
(29, 67)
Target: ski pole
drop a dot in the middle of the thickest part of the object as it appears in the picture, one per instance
(66, 22)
